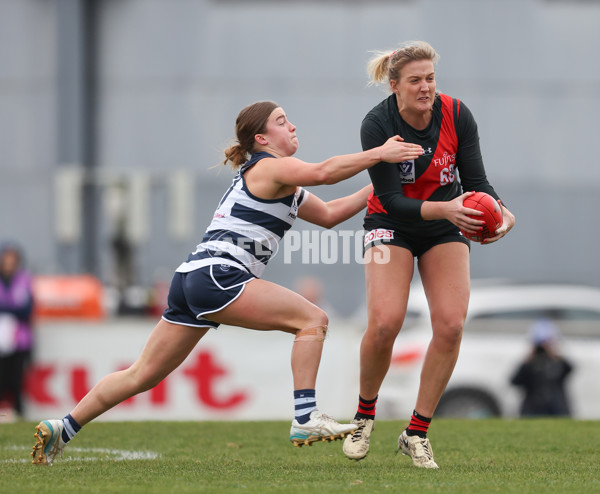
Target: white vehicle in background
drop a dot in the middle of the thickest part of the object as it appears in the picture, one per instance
(496, 340)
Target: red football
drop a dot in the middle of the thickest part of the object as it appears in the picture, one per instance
(492, 215)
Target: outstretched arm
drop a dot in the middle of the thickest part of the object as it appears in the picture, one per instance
(292, 171)
(332, 213)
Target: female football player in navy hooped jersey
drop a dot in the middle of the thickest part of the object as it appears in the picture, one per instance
(417, 210)
(220, 281)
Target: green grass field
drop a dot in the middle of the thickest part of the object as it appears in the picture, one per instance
(484, 456)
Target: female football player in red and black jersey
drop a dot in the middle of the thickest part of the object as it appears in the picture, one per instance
(416, 210)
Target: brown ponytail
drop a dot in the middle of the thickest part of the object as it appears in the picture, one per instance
(251, 120)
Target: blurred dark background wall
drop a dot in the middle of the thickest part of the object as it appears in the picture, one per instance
(114, 113)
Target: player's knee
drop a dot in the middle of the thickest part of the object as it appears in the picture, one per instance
(449, 333)
(311, 333)
(314, 327)
(382, 332)
(321, 319)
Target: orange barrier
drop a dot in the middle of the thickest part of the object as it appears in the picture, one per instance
(77, 296)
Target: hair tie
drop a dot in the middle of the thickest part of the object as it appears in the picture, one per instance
(392, 54)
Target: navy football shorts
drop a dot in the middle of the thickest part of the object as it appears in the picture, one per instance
(202, 291)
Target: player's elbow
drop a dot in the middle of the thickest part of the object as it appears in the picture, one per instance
(331, 179)
(335, 215)
(324, 174)
(326, 219)
(329, 222)
(398, 207)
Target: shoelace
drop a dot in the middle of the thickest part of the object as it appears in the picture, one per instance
(55, 451)
(422, 449)
(357, 434)
(326, 418)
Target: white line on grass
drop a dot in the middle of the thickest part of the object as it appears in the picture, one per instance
(101, 454)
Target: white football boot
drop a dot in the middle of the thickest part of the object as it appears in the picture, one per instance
(418, 448)
(356, 445)
(49, 443)
(320, 427)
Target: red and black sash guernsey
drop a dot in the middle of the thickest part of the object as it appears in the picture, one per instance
(440, 169)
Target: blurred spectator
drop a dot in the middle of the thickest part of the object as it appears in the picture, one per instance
(159, 293)
(542, 376)
(311, 288)
(16, 334)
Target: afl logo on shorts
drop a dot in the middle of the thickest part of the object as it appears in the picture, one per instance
(379, 234)
(407, 171)
(225, 267)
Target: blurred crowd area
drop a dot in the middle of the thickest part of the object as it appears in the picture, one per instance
(116, 113)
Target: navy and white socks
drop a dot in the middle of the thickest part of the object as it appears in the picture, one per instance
(305, 402)
(71, 428)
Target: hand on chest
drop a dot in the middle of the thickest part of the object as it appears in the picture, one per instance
(436, 165)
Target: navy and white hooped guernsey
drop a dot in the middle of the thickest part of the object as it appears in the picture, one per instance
(245, 231)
